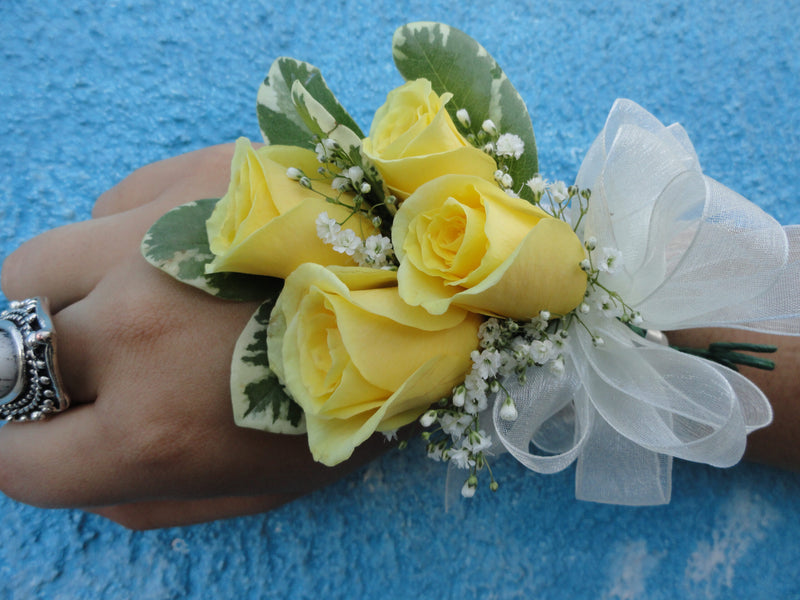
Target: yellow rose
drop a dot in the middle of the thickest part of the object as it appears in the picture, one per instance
(358, 359)
(265, 223)
(412, 140)
(462, 241)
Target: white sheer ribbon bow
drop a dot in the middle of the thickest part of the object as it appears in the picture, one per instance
(694, 254)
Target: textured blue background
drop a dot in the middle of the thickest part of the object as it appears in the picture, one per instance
(90, 91)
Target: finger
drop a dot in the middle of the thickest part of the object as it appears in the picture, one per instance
(177, 513)
(151, 181)
(56, 462)
(85, 457)
(65, 264)
(79, 358)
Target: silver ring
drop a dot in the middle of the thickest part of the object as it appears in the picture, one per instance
(30, 387)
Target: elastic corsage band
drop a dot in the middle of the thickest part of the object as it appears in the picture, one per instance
(427, 272)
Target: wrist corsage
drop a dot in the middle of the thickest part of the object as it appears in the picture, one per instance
(428, 272)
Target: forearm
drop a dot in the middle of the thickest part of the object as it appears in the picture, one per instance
(778, 444)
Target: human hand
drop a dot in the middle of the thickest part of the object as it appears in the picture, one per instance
(150, 439)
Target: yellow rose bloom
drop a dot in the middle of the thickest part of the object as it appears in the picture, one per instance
(358, 359)
(463, 241)
(265, 223)
(412, 140)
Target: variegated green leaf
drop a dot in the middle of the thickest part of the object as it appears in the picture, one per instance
(325, 125)
(178, 245)
(259, 401)
(456, 63)
(277, 116)
(321, 122)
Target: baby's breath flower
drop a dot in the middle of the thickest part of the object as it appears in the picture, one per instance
(489, 333)
(459, 395)
(486, 362)
(608, 306)
(454, 424)
(557, 366)
(489, 127)
(355, 174)
(327, 229)
(508, 412)
(435, 452)
(347, 242)
(475, 404)
(340, 184)
(541, 351)
(558, 190)
(294, 173)
(537, 185)
(460, 458)
(463, 117)
(376, 251)
(468, 491)
(611, 260)
(428, 419)
(478, 441)
(510, 144)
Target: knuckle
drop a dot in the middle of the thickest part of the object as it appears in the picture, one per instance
(210, 165)
(217, 157)
(153, 451)
(104, 205)
(134, 321)
(211, 169)
(14, 276)
(10, 274)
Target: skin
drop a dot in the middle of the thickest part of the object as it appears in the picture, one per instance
(776, 444)
(150, 441)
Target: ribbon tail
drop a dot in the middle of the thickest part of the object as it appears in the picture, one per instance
(612, 469)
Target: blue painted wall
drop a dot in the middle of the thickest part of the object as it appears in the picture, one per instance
(91, 90)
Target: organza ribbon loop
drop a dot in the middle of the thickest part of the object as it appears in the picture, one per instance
(777, 308)
(623, 424)
(543, 398)
(736, 254)
(669, 402)
(693, 253)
